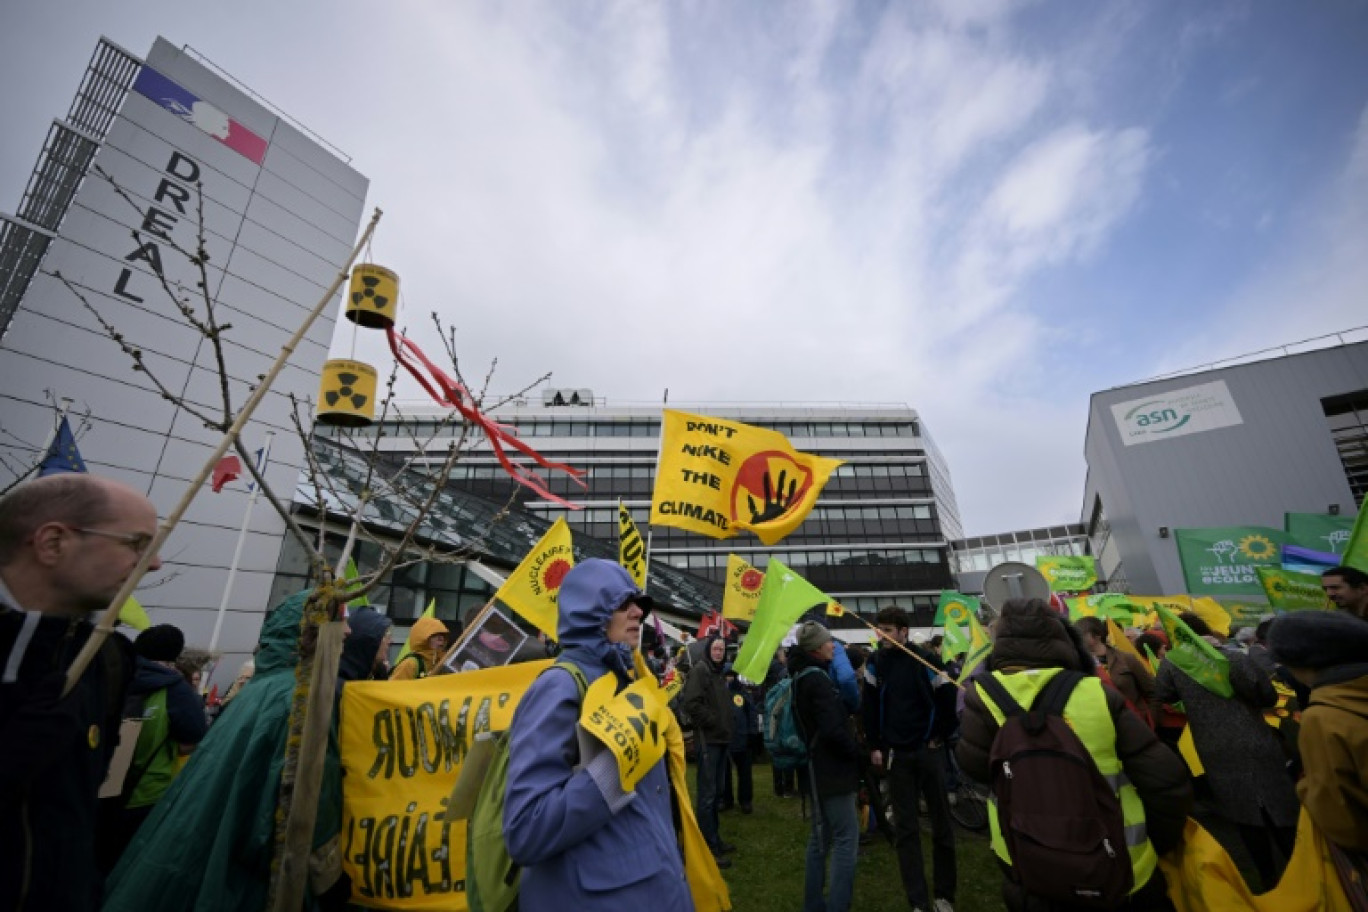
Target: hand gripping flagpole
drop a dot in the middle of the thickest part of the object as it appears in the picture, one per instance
(111, 614)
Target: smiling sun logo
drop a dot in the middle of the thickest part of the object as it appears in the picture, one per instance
(1257, 547)
(554, 574)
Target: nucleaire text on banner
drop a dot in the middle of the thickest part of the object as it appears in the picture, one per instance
(741, 592)
(402, 745)
(631, 550)
(718, 477)
(532, 589)
(1067, 573)
(1222, 561)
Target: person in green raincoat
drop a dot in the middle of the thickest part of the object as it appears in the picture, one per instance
(209, 842)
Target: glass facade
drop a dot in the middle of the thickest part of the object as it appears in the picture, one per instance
(979, 555)
(877, 537)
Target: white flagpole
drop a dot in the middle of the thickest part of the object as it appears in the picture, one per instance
(241, 541)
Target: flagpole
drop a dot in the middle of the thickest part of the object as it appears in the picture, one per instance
(237, 551)
(903, 646)
(650, 530)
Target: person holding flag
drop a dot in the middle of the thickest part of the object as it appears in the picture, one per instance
(909, 711)
(1244, 762)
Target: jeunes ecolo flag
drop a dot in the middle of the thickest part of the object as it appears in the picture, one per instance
(719, 477)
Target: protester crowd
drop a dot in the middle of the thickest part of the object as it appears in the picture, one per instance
(1080, 738)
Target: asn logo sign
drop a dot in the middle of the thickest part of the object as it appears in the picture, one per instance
(1176, 413)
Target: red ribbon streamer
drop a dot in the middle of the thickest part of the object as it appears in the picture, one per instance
(446, 391)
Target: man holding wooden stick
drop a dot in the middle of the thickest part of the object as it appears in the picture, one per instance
(67, 544)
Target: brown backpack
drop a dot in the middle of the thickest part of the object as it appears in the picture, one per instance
(1061, 820)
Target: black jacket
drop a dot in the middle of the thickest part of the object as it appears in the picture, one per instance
(904, 710)
(825, 724)
(707, 702)
(54, 753)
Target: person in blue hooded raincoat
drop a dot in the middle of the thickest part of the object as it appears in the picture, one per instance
(582, 841)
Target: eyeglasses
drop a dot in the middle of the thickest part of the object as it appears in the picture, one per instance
(137, 541)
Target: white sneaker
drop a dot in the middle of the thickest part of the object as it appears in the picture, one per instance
(942, 905)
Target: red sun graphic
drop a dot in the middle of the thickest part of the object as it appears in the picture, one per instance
(752, 580)
(554, 573)
(768, 485)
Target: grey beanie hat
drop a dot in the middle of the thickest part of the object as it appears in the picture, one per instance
(812, 636)
(1318, 639)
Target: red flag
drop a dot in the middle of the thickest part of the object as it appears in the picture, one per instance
(228, 468)
(708, 624)
(213, 698)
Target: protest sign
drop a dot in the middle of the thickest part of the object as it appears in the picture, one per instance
(402, 745)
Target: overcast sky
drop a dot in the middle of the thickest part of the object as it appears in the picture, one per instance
(984, 210)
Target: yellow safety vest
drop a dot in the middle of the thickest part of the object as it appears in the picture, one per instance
(1087, 714)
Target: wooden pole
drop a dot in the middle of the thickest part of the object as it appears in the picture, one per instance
(292, 875)
(903, 646)
(111, 614)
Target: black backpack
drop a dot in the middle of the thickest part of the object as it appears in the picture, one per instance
(1061, 820)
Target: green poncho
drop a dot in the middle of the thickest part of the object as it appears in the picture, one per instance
(208, 844)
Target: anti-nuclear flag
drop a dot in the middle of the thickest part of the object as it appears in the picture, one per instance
(741, 592)
(1290, 591)
(1194, 656)
(1356, 549)
(631, 551)
(719, 477)
(403, 744)
(948, 597)
(1222, 561)
(784, 596)
(1067, 573)
(531, 590)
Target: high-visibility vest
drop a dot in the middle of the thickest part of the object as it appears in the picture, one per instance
(1087, 714)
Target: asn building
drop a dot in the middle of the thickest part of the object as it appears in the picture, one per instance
(878, 535)
(280, 215)
(1238, 446)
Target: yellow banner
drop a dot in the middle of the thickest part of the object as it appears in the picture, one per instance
(718, 477)
(631, 550)
(531, 590)
(741, 592)
(403, 743)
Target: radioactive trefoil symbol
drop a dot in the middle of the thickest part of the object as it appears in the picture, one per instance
(379, 301)
(345, 391)
(642, 721)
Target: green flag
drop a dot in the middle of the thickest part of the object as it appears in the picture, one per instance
(980, 647)
(1319, 531)
(784, 596)
(954, 642)
(1194, 656)
(1289, 590)
(1356, 550)
(953, 607)
(1152, 659)
(1221, 561)
(349, 574)
(1067, 573)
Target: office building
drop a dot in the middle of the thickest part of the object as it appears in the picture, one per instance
(1234, 446)
(972, 558)
(281, 211)
(877, 536)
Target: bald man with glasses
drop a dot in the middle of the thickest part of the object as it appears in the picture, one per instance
(67, 544)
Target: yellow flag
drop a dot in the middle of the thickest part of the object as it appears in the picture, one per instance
(835, 609)
(741, 592)
(1120, 642)
(1188, 748)
(531, 590)
(1213, 612)
(718, 477)
(134, 614)
(630, 723)
(631, 551)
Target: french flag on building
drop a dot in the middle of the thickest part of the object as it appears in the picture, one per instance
(201, 114)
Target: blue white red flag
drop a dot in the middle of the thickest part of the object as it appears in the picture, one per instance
(197, 112)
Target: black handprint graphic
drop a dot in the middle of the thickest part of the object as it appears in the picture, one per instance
(777, 499)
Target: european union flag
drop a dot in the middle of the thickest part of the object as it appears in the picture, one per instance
(62, 456)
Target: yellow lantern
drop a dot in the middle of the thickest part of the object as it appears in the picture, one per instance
(346, 397)
(374, 296)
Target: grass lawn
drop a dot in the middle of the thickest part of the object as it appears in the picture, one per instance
(767, 870)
